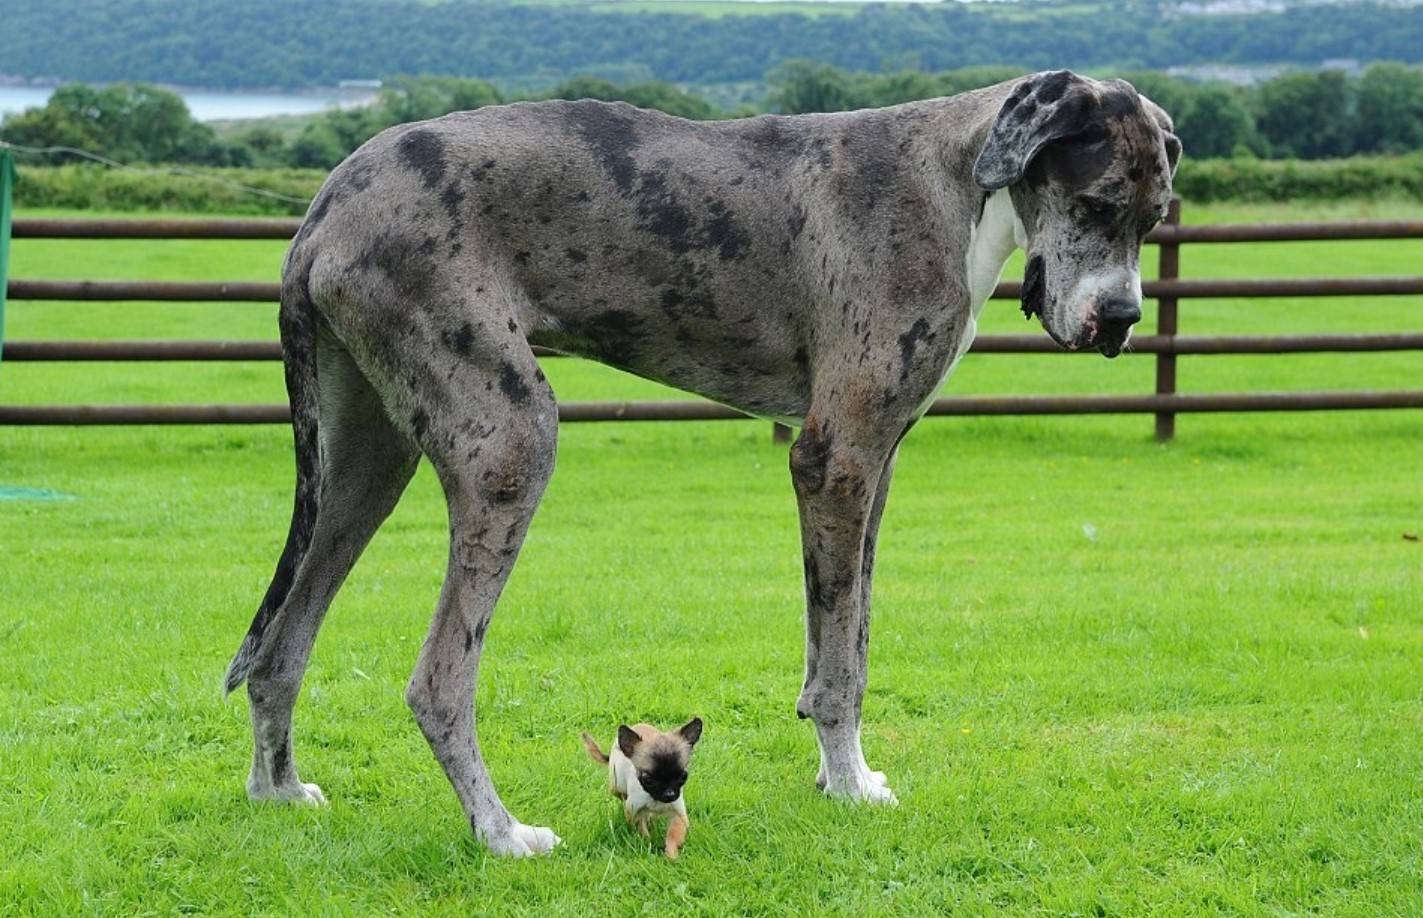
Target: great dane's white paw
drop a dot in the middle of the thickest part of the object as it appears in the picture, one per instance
(522, 841)
(860, 785)
(299, 793)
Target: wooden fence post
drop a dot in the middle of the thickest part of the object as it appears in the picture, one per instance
(1169, 268)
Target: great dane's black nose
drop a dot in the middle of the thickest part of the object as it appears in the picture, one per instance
(1117, 315)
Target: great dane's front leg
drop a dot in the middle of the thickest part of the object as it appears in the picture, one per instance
(840, 477)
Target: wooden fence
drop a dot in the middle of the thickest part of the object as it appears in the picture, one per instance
(1166, 345)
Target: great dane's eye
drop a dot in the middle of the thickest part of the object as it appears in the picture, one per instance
(1099, 208)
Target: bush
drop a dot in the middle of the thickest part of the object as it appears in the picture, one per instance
(209, 191)
(213, 191)
(1244, 179)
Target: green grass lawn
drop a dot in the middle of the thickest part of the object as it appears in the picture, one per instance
(1108, 676)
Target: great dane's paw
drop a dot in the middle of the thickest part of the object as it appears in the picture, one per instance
(297, 792)
(522, 841)
(860, 786)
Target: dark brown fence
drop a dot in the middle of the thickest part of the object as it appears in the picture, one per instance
(1165, 403)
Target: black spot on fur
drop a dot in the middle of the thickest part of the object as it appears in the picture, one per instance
(723, 233)
(810, 455)
(480, 627)
(662, 215)
(459, 341)
(576, 256)
(419, 422)
(423, 151)
(909, 342)
(611, 137)
(512, 385)
(1034, 289)
(468, 640)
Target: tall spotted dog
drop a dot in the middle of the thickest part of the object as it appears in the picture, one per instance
(823, 270)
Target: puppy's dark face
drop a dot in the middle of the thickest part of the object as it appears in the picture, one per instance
(661, 760)
(1089, 167)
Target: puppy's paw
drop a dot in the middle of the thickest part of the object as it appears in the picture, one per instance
(522, 841)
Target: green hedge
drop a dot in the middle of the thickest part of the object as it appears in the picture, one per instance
(1293, 180)
(214, 191)
(88, 187)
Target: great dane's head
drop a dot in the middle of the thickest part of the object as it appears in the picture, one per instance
(1088, 164)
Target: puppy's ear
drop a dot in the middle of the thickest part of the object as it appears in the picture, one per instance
(691, 731)
(627, 739)
(1042, 108)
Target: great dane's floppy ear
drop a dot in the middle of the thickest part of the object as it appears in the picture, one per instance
(691, 731)
(1168, 128)
(627, 739)
(1043, 108)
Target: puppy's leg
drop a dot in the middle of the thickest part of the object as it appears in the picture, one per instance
(366, 464)
(676, 835)
(838, 470)
(642, 829)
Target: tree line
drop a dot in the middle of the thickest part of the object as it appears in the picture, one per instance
(1307, 115)
(318, 42)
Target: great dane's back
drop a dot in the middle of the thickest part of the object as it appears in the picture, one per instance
(719, 257)
(821, 269)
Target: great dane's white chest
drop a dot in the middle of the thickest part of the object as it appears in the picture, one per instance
(991, 240)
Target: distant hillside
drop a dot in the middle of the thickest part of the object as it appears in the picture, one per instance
(317, 42)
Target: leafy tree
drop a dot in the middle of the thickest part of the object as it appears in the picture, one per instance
(1310, 115)
(318, 147)
(1216, 123)
(129, 122)
(807, 86)
(1391, 108)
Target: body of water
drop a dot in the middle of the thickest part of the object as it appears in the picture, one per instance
(209, 105)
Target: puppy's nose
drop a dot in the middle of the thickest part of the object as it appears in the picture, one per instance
(1119, 314)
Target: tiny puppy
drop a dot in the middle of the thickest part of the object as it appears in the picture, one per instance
(646, 770)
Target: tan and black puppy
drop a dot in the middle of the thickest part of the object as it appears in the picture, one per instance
(646, 770)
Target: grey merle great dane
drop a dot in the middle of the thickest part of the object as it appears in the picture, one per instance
(824, 270)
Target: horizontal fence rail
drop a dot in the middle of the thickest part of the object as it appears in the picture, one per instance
(961, 406)
(1166, 345)
(257, 292)
(158, 351)
(285, 228)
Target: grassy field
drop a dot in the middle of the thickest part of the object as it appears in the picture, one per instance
(1108, 676)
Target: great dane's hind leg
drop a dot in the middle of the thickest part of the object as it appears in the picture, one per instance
(839, 475)
(365, 465)
(485, 416)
